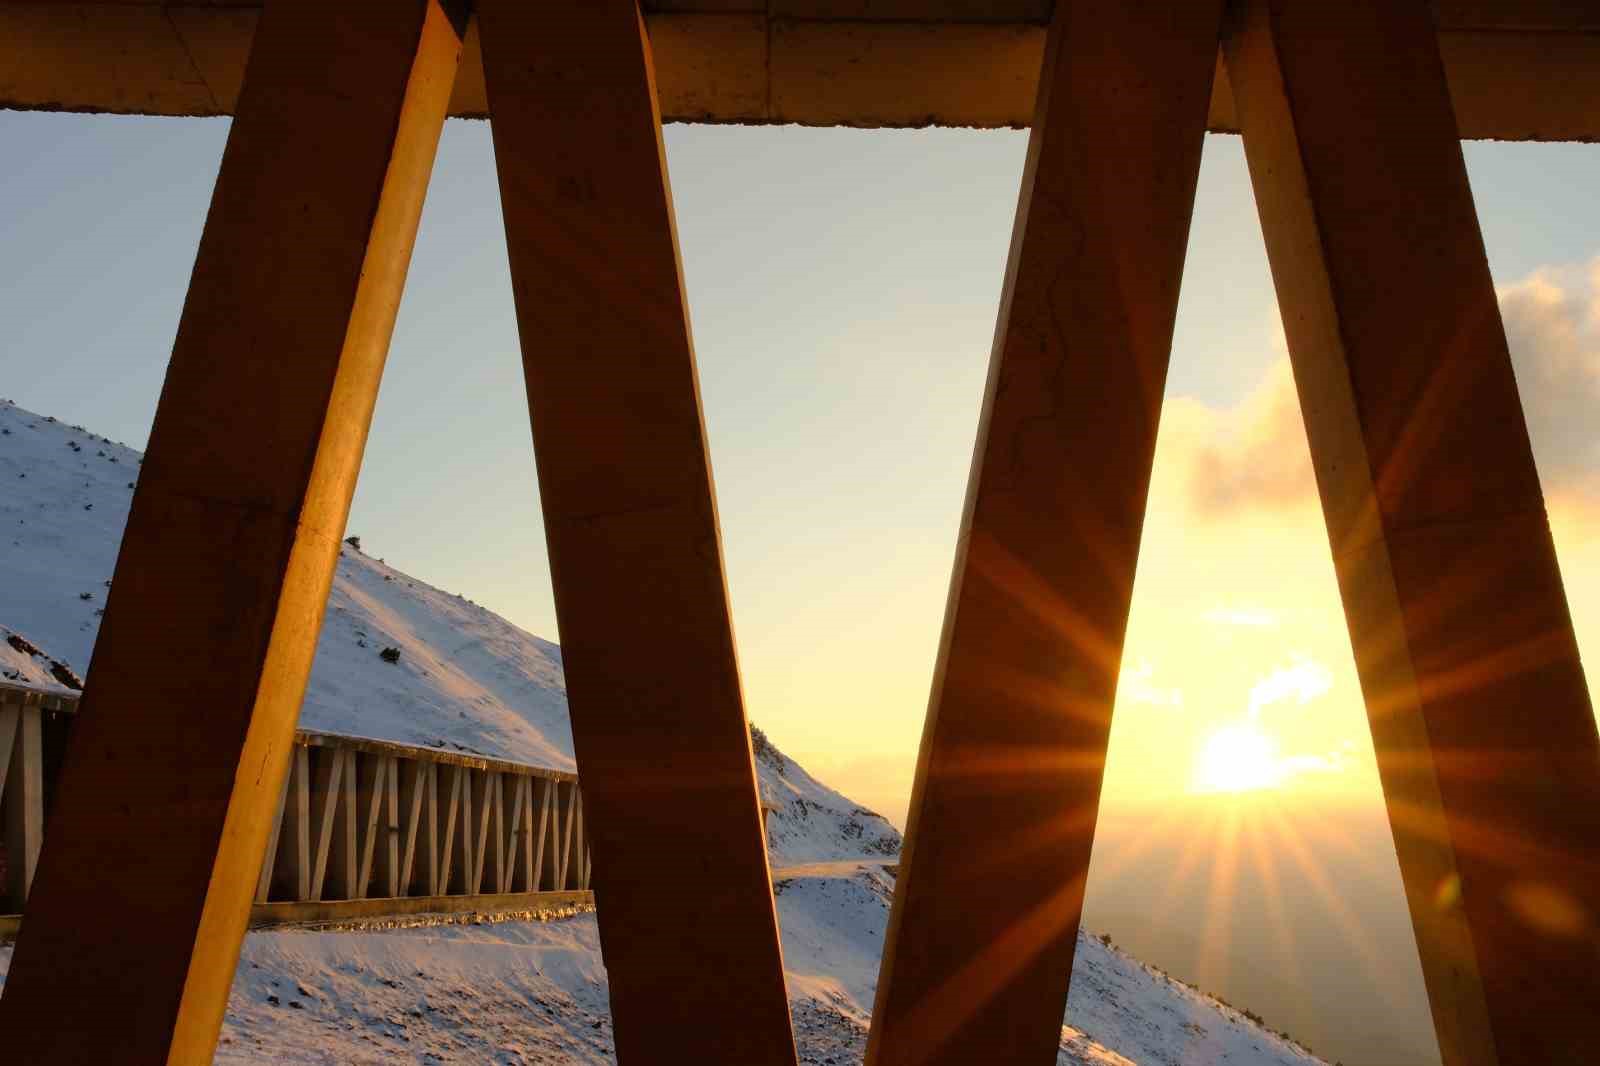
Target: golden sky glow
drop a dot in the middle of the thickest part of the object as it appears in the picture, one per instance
(1237, 757)
(1236, 621)
(1237, 671)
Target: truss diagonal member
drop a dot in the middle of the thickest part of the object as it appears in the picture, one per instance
(1480, 714)
(980, 943)
(174, 773)
(687, 920)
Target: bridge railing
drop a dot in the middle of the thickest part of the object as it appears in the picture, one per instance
(358, 819)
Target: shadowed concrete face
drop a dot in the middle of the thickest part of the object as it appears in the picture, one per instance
(1481, 718)
(687, 920)
(980, 942)
(173, 779)
(1518, 69)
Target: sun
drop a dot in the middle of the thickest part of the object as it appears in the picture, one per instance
(1237, 758)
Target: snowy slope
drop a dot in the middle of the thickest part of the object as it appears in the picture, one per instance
(466, 678)
(810, 822)
(535, 992)
(834, 916)
(64, 495)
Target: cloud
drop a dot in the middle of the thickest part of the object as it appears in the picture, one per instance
(1254, 617)
(1255, 454)
(1306, 680)
(1552, 322)
(1332, 762)
(1138, 683)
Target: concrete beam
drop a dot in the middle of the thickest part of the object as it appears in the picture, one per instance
(172, 777)
(658, 723)
(22, 788)
(1517, 70)
(379, 913)
(387, 913)
(981, 936)
(1485, 735)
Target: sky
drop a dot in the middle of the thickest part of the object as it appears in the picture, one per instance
(843, 287)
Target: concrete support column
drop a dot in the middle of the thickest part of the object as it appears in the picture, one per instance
(1485, 735)
(22, 796)
(658, 718)
(981, 936)
(173, 775)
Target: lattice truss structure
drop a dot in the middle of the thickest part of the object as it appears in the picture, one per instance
(1351, 115)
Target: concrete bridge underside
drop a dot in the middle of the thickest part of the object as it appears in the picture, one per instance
(1517, 69)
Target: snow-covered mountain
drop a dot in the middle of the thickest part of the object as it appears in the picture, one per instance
(467, 679)
(535, 992)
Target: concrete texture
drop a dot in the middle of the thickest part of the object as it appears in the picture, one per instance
(658, 719)
(1517, 71)
(172, 778)
(1480, 714)
(980, 943)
